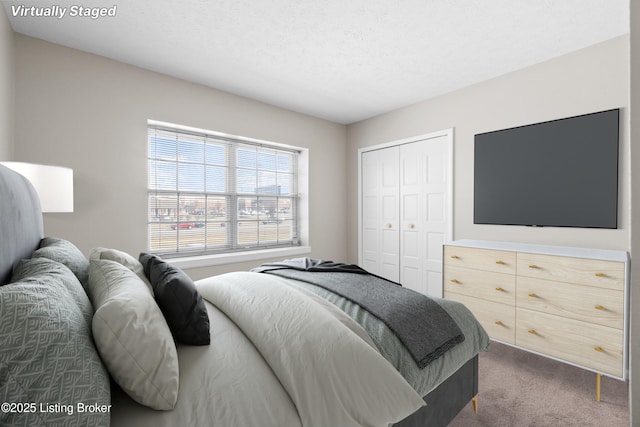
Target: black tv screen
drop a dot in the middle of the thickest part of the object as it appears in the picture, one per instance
(561, 173)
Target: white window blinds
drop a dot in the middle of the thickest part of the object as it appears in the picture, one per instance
(212, 194)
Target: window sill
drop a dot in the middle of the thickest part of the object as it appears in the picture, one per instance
(235, 257)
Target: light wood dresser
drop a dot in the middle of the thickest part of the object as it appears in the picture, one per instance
(569, 304)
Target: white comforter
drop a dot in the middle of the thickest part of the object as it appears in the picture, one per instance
(279, 356)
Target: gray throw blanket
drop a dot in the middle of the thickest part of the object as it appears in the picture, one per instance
(425, 328)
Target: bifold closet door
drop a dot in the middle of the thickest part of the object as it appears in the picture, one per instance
(380, 182)
(424, 220)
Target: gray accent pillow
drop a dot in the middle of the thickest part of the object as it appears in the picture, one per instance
(180, 302)
(47, 356)
(66, 253)
(42, 270)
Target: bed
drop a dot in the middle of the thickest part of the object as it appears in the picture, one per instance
(83, 342)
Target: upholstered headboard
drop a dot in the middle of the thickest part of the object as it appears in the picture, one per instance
(20, 220)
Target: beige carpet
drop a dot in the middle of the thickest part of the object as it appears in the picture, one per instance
(518, 389)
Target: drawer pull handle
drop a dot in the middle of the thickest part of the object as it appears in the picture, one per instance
(599, 349)
(412, 226)
(599, 307)
(455, 257)
(533, 266)
(500, 262)
(389, 225)
(532, 331)
(499, 323)
(499, 289)
(601, 275)
(532, 295)
(454, 281)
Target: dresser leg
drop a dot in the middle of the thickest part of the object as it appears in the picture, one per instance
(474, 403)
(598, 376)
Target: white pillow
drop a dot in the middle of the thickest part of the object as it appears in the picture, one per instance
(132, 335)
(121, 258)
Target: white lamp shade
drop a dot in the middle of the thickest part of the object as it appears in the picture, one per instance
(54, 184)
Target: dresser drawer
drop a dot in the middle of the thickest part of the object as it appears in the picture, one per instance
(592, 346)
(595, 305)
(497, 319)
(480, 259)
(590, 272)
(498, 287)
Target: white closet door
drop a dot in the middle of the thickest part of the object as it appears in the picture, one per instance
(424, 223)
(381, 212)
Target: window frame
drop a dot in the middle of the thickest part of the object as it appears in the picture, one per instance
(202, 256)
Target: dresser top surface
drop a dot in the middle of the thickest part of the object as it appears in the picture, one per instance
(603, 254)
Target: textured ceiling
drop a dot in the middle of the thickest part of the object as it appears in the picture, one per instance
(342, 60)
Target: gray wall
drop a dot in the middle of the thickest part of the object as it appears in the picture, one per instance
(90, 113)
(6, 88)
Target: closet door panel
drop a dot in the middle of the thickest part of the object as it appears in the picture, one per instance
(412, 242)
(371, 243)
(380, 212)
(423, 211)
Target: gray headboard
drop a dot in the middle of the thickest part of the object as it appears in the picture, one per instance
(20, 220)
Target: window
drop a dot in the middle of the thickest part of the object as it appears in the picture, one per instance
(210, 193)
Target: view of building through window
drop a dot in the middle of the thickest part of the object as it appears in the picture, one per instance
(210, 194)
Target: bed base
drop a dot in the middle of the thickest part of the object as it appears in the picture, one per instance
(448, 399)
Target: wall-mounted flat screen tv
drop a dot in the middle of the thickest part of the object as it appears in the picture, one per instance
(561, 173)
